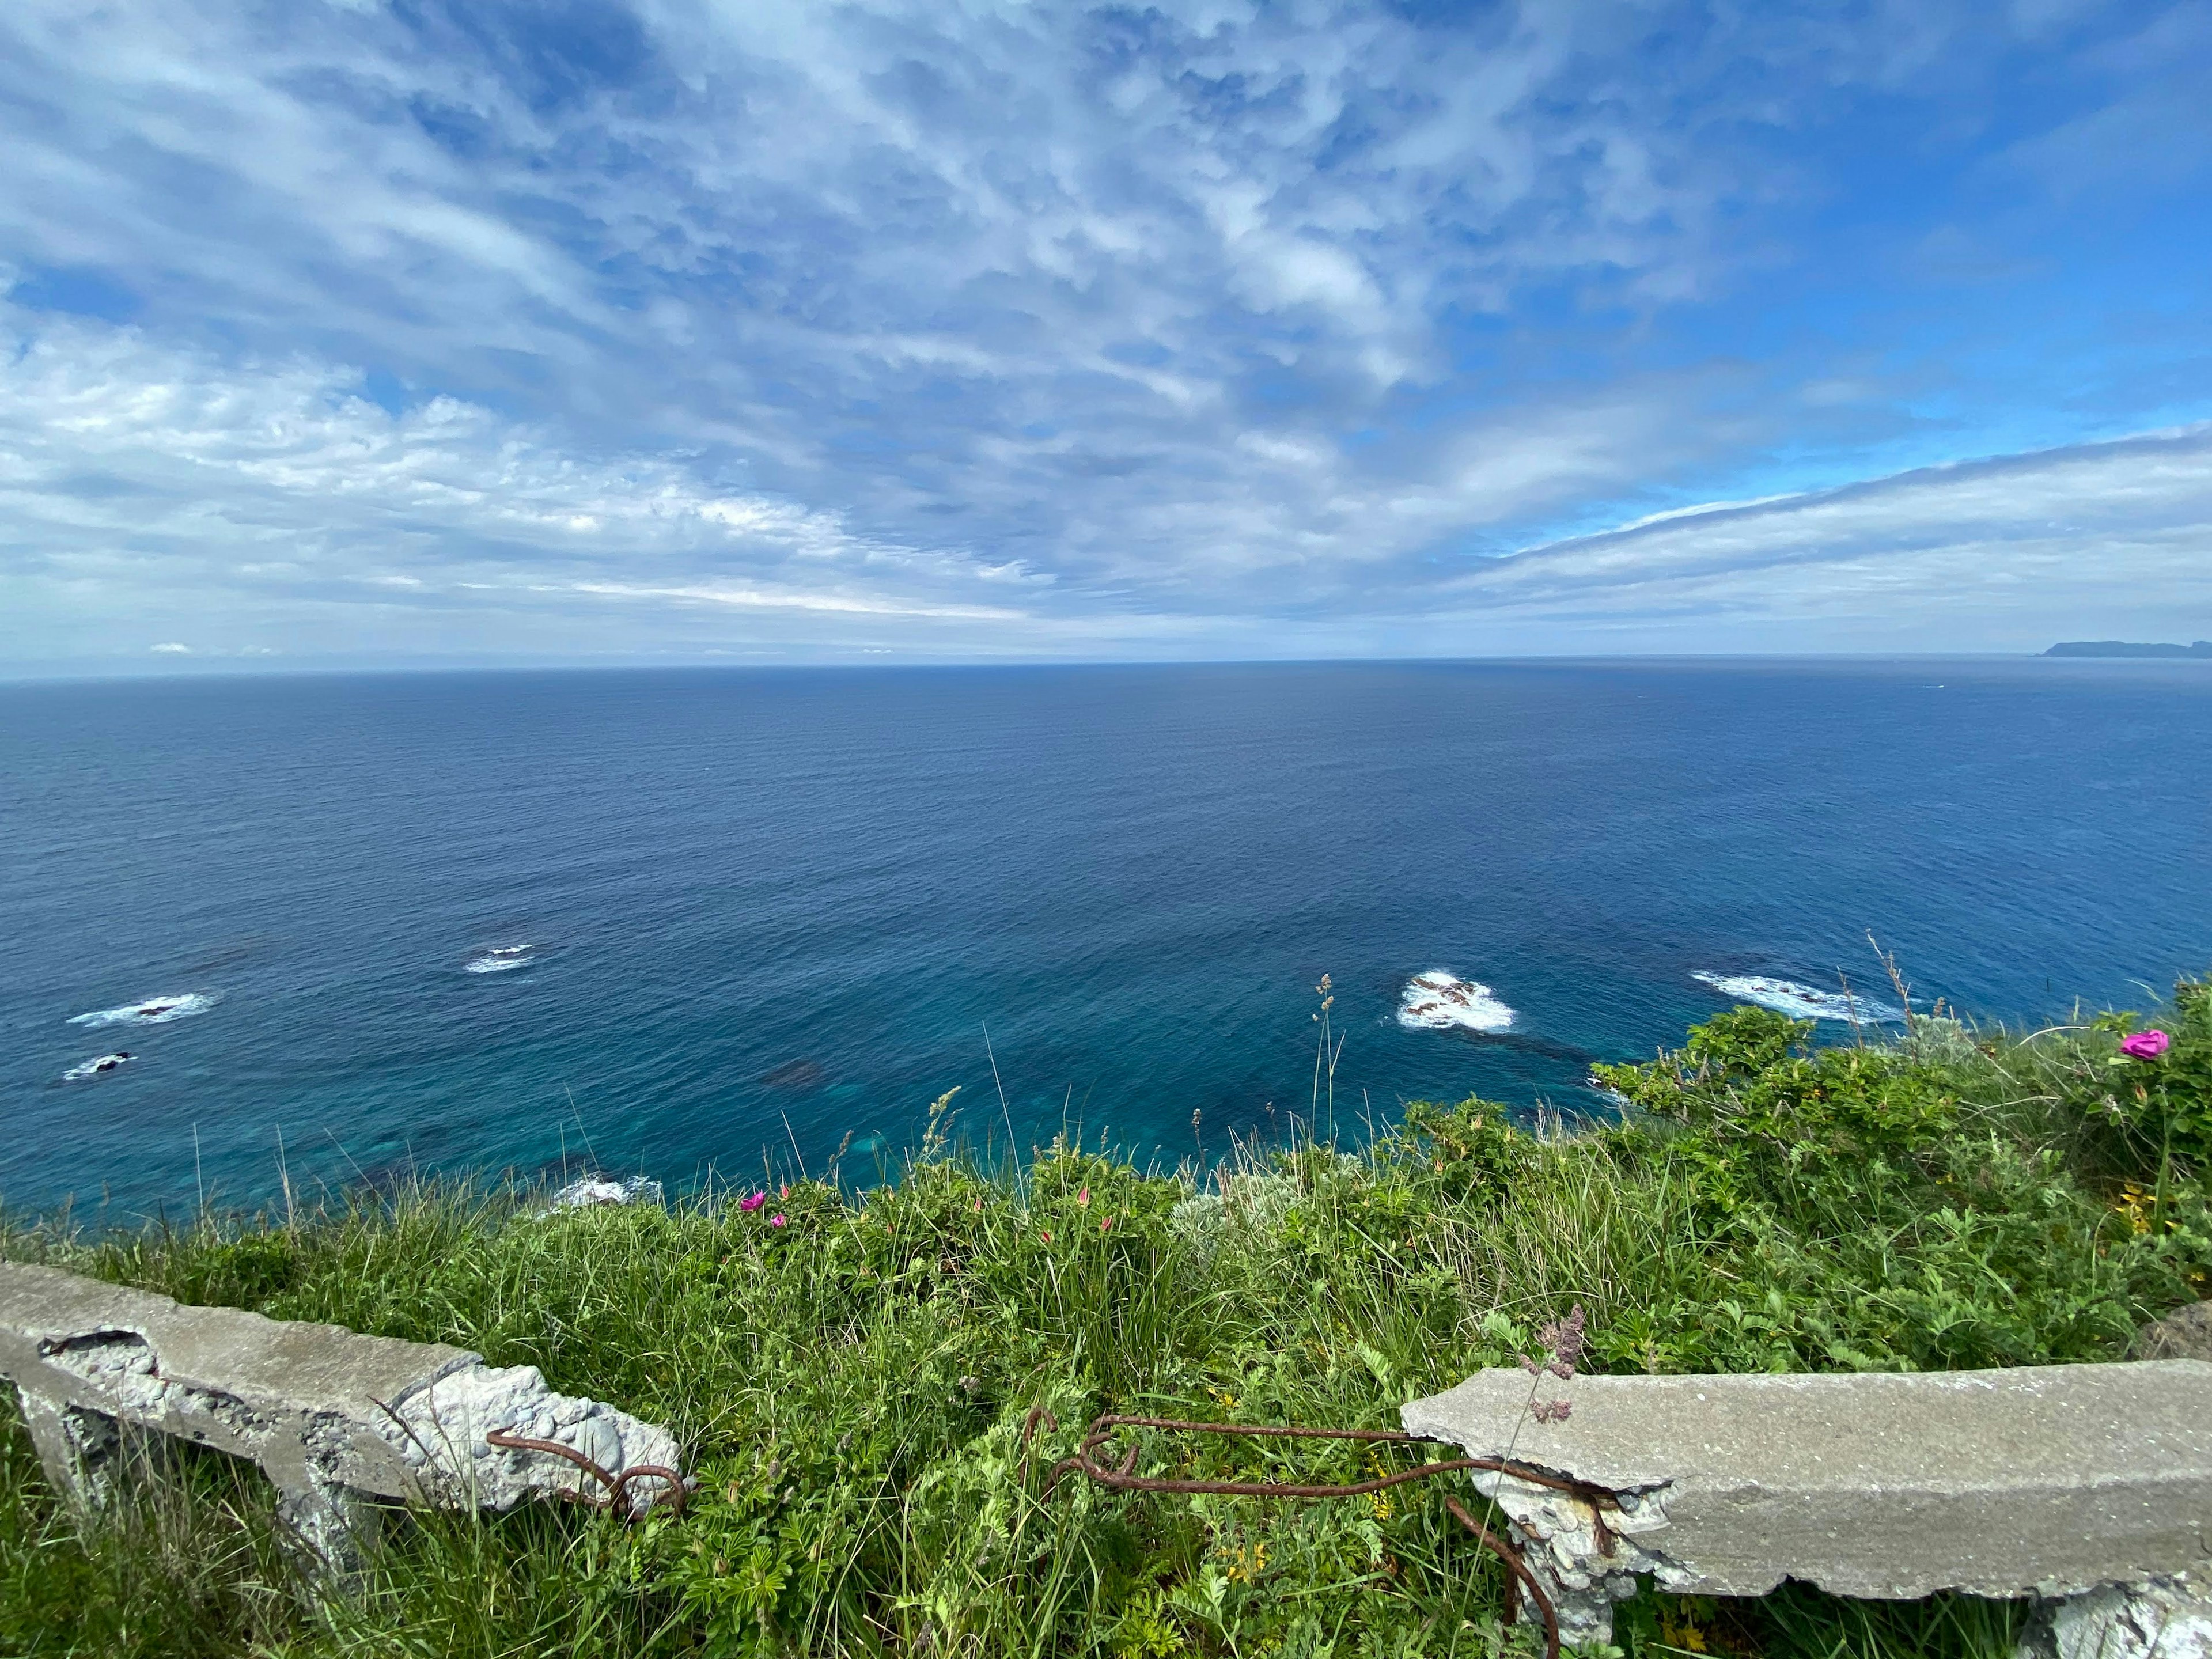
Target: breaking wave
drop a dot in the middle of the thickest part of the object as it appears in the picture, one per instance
(1787, 996)
(1437, 1001)
(94, 1067)
(153, 1011)
(503, 959)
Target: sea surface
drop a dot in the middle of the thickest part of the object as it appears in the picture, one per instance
(683, 922)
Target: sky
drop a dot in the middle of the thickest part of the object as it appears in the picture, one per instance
(342, 333)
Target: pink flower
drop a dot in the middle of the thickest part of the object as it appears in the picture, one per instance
(783, 1191)
(1082, 1199)
(748, 1205)
(1106, 1223)
(776, 1221)
(1045, 1236)
(2146, 1045)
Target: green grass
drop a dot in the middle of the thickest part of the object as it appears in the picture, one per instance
(853, 1383)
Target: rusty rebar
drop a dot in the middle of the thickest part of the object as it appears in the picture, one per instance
(1125, 1479)
(676, 1492)
(1519, 1577)
(1102, 1429)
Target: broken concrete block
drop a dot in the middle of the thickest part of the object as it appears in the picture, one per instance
(2185, 1333)
(336, 1419)
(2044, 1480)
(76, 1447)
(2164, 1619)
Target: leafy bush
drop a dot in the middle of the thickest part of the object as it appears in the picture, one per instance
(853, 1372)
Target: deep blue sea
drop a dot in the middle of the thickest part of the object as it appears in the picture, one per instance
(749, 913)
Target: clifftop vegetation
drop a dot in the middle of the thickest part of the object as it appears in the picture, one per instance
(853, 1369)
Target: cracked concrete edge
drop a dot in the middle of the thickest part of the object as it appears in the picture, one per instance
(2166, 1617)
(440, 1431)
(334, 1416)
(1749, 1527)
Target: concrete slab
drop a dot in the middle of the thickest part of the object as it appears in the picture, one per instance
(335, 1418)
(2046, 1480)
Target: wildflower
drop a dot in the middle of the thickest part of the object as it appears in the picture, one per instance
(979, 1206)
(1563, 1337)
(2146, 1045)
(776, 1221)
(1045, 1236)
(2136, 1206)
(1082, 1199)
(1562, 1340)
(783, 1191)
(748, 1205)
(1106, 1225)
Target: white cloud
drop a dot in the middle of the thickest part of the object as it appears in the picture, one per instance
(272, 508)
(137, 480)
(884, 326)
(2017, 551)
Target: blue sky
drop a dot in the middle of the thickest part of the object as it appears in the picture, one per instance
(353, 332)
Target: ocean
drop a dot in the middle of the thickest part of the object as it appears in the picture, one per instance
(720, 922)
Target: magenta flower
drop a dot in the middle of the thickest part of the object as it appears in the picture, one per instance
(2146, 1045)
(748, 1205)
(776, 1221)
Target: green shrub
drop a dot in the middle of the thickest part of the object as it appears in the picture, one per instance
(854, 1384)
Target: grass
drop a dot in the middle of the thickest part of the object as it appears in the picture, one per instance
(853, 1383)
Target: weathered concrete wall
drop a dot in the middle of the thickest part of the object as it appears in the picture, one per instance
(336, 1419)
(2048, 1481)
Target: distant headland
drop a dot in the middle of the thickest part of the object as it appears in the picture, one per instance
(2128, 648)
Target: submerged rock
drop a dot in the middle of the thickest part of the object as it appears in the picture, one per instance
(594, 1191)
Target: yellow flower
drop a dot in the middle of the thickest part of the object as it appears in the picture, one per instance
(1245, 1562)
(2135, 1205)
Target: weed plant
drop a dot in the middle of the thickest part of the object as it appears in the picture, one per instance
(851, 1369)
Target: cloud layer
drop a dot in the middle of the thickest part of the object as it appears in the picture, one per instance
(480, 332)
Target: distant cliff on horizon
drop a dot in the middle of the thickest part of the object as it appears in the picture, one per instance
(2128, 648)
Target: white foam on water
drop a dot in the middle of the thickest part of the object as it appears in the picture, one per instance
(96, 1067)
(1437, 1001)
(152, 1010)
(501, 959)
(1787, 996)
(593, 1191)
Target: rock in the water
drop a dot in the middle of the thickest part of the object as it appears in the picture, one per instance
(594, 1191)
